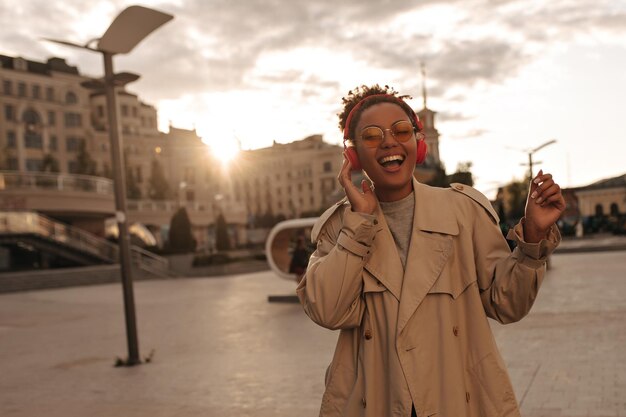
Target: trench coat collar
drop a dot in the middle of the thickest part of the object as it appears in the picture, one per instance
(385, 264)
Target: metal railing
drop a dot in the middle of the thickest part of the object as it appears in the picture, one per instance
(34, 223)
(57, 182)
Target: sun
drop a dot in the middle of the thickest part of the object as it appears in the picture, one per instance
(225, 151)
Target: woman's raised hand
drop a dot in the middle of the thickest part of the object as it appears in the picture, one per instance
(362, 201)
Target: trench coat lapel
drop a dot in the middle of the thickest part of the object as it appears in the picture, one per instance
(434, 224)
(385, 263)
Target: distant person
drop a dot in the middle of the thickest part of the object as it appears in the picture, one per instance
(299, 259)
(409, 274)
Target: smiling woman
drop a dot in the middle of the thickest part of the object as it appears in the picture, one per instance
(409, 274)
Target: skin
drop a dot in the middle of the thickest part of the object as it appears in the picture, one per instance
(544, 205)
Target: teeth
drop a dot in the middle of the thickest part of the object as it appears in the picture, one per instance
(391, 158)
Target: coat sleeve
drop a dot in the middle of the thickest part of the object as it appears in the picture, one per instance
(330, 291)
(509, 281)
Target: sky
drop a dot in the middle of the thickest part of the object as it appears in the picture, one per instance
(504, 76)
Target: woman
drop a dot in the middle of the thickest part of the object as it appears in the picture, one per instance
(409, 274)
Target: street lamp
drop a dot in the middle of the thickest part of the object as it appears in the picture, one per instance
(531, 152)
(129, 28)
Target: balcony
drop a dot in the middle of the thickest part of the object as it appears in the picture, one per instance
(52, 193)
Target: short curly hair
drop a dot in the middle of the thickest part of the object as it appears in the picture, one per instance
(386, 95)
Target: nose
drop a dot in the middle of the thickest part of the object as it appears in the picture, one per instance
(389, 139)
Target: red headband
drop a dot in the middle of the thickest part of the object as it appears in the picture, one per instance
(346, 129)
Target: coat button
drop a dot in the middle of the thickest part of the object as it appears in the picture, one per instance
(368, 334)
(459, 187)
(455, 330)
(467, 396)
(364, 402)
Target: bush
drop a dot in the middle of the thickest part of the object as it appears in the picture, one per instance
(180, 237)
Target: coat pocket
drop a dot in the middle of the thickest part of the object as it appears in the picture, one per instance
(492, 387)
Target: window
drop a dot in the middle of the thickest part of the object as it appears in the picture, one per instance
(11, 139)
(328, 166)
(72, 167)
(143, 121)
(100, 111)
(7, 87)
(599, 210)
(31, 118)
(50, 94)
(134, 111)
(21, 89)
(9, 113)
(13, 164)
(124, 110)
(614, 210)
(33, 140)
(36, 91)
(73, 119)
(71, 98)
(34, 164)
(72, 144)
(191, 196)
(52, 146)
(51, 118)
(138, 174)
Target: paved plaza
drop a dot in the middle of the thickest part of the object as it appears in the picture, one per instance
(220, 349)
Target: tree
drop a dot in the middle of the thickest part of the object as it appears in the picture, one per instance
(222, 241)
(84, 164)
(158, 187)
(516, 193)
(181, 239)
(463, 174)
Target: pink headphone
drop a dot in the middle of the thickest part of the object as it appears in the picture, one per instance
(350, 151)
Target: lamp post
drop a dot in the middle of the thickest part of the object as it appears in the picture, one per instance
(531, 153)
(129, 28)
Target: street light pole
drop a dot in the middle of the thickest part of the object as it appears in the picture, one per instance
(119, 183)
(129, 28)
(531, 153)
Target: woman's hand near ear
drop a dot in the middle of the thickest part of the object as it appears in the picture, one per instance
(362, 201)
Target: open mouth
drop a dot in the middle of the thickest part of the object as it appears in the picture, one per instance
(392, 161)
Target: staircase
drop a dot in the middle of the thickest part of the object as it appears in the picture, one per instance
(59, 239)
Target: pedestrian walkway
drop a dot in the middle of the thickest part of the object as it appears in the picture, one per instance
(220, 349)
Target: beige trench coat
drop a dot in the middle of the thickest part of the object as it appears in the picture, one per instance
(459, 271)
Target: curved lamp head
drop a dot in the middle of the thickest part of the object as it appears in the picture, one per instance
(130, 27)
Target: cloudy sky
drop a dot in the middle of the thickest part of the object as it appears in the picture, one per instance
(503, 75)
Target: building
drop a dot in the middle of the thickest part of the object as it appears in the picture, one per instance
(55, 160)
